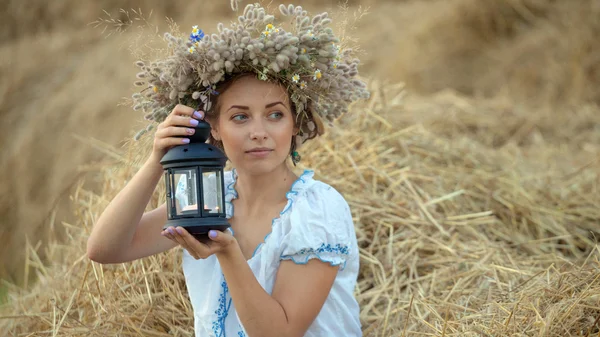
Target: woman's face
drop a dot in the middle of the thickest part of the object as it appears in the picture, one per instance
(255, 124)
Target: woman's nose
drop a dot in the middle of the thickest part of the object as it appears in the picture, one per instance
(258, 131)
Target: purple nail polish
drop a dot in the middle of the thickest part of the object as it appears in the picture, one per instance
(171, 231)
(185, 140)
(198, 114)
(179, 230)
(193, 122)
(212, 234)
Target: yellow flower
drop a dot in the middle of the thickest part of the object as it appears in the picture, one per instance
(302, 85)
(191, 49)
(266, 33)
(269, 26)
(317, 75)
(303, 51)
(296, 78)
(335, 65)
(155, 89)
(195, 29)
(196, 44)
(277, 30)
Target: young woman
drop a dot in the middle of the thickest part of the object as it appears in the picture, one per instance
(289, 265)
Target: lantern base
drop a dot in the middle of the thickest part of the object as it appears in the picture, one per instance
(199, 228)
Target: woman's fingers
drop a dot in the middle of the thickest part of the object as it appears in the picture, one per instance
(167, 143)
(174, 131)
(202, 249)
(196, 248)
(176, 234)
(222, 238)
(175, 128)
(183, 110)
(175, 120)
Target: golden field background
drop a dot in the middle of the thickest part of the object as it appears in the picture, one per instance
(499, 101)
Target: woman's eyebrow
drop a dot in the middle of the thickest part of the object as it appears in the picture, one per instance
(239, 107)
(273, 104)
(243, 107)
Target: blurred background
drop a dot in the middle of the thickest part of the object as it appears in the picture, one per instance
(527, 69)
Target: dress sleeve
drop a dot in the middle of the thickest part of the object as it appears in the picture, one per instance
(320, 227)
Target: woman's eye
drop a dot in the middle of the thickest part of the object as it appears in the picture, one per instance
(238, 117)
(276, 115)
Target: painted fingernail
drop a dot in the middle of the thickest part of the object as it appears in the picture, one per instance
(179, 230)
(193, 122)
(198, 114)
(171, 231)
(190, 131)
(212, 234)
(185, 140)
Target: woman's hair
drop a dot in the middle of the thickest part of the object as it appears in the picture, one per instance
(300, 122)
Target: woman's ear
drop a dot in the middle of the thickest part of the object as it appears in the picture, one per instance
(214, 131)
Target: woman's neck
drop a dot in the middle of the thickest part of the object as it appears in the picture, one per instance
(256, 191)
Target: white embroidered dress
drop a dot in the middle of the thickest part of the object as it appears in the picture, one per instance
(315, 224)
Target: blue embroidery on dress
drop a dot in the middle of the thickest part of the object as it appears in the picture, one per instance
(222, 311)
(241, 334)
(325, 248)
(307, 253)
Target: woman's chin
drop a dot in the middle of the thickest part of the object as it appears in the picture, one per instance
(259, 167)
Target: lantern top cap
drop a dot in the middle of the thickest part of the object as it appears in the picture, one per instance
(194, 154)
(201, 132)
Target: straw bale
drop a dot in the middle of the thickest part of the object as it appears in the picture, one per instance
(539, 52)
(456, 238)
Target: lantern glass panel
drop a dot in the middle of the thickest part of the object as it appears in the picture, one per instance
(186, 203)
(212, 192)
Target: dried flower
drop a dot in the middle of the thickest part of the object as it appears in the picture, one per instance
(317, 75)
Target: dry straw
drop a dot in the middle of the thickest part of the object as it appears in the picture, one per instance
(457, 239)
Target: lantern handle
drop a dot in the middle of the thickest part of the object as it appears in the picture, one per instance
(202, 131)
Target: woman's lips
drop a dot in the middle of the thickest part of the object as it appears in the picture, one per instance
(259, 153)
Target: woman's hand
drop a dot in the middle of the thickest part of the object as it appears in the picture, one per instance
(174, 130)
(218, 242)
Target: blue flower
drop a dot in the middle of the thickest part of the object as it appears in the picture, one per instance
(197, 34)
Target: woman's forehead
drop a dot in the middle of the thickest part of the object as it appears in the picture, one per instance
(249, 88)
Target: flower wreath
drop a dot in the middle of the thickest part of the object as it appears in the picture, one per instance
(319, 74)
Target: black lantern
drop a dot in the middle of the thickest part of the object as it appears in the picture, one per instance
(195, 185)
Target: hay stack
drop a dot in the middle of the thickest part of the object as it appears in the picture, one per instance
(539, 52)
(457, 239)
